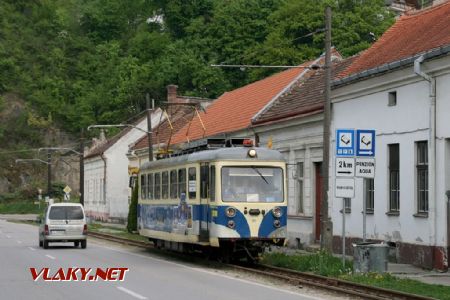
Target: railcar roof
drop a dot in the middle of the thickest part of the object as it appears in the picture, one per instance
(237, 153)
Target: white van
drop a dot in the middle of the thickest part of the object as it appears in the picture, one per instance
(63, 222)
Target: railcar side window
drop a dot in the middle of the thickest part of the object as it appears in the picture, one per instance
(157, 186)
(204, 178)
(192, 183)
(181, 182)
(165, 185)
(212, 183)
(173, 184)
(150, 186)
(143, 186)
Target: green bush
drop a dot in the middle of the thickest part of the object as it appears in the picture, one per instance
(132, 212)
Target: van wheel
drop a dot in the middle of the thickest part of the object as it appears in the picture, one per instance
(76, 244)
(45, 244)
(83, 244)
(41, 244)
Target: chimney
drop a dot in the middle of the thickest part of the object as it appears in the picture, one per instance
(172, 93)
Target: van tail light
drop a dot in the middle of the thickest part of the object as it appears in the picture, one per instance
(85, 229)
(46, 232)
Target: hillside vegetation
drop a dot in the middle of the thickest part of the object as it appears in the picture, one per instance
(72, 63)
(89, 62)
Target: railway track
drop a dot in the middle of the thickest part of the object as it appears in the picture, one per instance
(328, 283)
(297, 278)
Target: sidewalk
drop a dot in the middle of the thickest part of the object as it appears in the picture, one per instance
(416, 273)
(19, 217)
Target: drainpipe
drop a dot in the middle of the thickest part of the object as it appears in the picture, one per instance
(432, 145)
(104, 188)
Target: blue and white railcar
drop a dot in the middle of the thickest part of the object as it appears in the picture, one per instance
(229, 199)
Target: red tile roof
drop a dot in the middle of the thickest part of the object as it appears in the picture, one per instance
(306, 97)
(412, 34)
(234, 110)
(179, 116)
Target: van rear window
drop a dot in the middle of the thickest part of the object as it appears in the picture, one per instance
(66, 213)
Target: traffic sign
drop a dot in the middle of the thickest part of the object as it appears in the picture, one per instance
(345, 188)
(67, 189)
(345, 145)
(345, 166)
(365, 167)
(365, 142)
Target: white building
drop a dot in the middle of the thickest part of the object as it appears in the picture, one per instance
(106, 178)
(406, 202)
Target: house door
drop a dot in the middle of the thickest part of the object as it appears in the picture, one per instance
(319, 188)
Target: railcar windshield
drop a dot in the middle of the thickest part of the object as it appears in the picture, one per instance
(252, 184)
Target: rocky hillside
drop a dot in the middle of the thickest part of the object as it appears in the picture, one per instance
(22, 133)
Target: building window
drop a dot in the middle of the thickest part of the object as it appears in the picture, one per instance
(394, 177)
(181, 182)
(392, 98)
(165, 185)
(192, 183)
(150, 186)
(173, 184)
(300, 178)
(369, 193)
(157, 186)
(422, 177)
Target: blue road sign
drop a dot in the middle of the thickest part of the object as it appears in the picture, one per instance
(345, 142)
(365, 142)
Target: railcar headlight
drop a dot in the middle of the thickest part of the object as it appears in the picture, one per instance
(231, 224)
(230, 212)
(276, 211)
(277, 223)
(251, 153)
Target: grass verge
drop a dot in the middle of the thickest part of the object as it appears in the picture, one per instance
(324, 264)
(21, 207)
(116, 231)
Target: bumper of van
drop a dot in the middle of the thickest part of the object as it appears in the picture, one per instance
(64, 238)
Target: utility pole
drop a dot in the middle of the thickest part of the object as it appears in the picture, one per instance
(149, 128)
(82, 167)
(49, 173)
(326, 224)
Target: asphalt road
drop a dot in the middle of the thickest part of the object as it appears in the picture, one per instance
(149, 276)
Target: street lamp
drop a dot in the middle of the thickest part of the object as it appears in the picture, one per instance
(25, 160)
(148, 132)
(81, 155)
(117, 126)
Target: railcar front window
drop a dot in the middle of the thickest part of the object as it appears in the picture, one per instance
(252, 184)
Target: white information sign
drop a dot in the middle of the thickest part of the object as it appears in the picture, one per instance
(192, 186)
(345, 188)
(365, 167)
(345, 167)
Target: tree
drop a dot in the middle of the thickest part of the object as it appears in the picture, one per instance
(132, 212)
